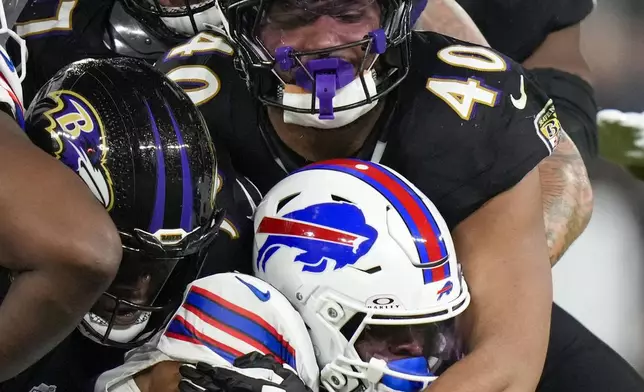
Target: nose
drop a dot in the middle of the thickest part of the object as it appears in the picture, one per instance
(411, 348)
(322, 34)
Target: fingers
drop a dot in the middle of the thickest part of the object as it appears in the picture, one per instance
(204, 377)
(196, 378)
(264, 361)
(266, 371)
(290, 380)
(255, 360)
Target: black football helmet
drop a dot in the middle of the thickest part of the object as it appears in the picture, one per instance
(182, 17)
(389, 44)
(144, 150)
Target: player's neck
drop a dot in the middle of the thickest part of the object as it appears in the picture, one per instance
(315, 144)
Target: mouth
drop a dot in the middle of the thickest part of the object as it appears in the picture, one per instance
(124, 315)
(293, 67)
(122, 318)
(291, 87)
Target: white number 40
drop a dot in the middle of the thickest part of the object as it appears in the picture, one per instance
(460, 95)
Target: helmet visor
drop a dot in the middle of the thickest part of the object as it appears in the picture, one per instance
(438, 343)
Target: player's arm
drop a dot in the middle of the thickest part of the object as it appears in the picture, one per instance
(567, 197)
(449, 18)
(557, 63)
(60, 242)
(560, 67)
(499, 232)
(162, 377)
(561, 50)
(566, 190)
(505, 259)
(563, 73)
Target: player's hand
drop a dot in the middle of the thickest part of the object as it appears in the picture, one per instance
(272, 377)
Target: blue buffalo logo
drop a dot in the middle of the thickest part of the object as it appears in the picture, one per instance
(81, 144)
(323, 232)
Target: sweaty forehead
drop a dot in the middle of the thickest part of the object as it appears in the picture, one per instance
(179, 3)
(322, 7)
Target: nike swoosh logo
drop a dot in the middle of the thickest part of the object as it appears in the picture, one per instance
(263, 296)
(521, 102)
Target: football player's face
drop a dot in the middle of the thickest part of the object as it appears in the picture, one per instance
(390, 342)
(438, 343)
(138, 281)
(307, 25)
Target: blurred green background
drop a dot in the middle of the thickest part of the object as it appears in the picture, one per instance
(621, 140)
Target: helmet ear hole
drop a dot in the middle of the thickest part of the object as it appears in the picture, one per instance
(282, 203)
(341, 199)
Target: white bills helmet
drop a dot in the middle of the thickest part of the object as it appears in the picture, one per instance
(369, 263)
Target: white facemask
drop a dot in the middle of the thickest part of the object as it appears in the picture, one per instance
(351, 93)
(182, 24)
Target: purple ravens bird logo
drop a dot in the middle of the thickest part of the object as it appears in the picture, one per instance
(324, 232)
(81, 144)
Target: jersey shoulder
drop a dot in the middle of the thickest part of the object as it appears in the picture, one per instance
(222, 317)
(472, 124)
(57, 33)
(469, 87)
(438, 56)
(202, 66)
(276, 328)
(61, 18)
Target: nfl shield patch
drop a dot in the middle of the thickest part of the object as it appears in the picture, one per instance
(548, 126)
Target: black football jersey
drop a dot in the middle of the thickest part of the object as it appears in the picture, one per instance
(465, 125)
(73, 366)
(232, 249)
(518, 27)
(57, 33)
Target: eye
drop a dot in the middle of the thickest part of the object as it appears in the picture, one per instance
(349, 17)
